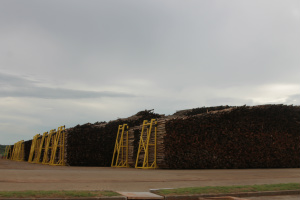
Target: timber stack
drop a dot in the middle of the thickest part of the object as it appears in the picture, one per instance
(265, 136)
(93, 144)
(222, 137)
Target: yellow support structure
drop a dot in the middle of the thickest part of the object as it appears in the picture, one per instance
(14, 152)
(22, 151)
(48, 147)
(36, 148)
(40, 145)
(147, 146)
(58, 150)
(120, 155)
(33, 149)
(9, 153)
(18, 151)
(6, 152)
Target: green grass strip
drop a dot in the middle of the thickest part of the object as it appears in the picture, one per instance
(55, 194)
(229, 189)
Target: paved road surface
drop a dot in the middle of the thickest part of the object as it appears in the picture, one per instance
(287, 197)
(26, 176)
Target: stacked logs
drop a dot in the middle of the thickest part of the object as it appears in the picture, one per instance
(196, 111)
(241, 137)
(212, 137)
(84, 142)
(134, 140)
(265, 136)
(27, 147)
(134, 134)
(93, 144)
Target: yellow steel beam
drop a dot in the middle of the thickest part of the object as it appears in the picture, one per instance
(40, 148)
(33, 148)
(57, 154)
(120, 155)
(143, 150)
(48, 146)
(9, 152)
(6, 152)
(18, 151)
(21, 151)
(36, 148)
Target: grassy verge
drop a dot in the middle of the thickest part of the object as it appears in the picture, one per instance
(228, 189)
(55, 194)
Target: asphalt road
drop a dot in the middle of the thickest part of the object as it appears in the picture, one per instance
(26, 176)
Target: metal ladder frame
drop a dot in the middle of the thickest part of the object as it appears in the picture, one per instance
(48, 146)
(119, 148)
(9, 152)
(6, 152)
(33, 149)
(59, 143)
(18, 151)
(144, 145)
(40, 147)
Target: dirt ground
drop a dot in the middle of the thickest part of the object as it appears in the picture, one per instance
(26, 176)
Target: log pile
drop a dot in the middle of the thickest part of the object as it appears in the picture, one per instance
(133, 143)
(241, 137)
(266, 136)
(27, 146)
(196, 111)
(93, 144)
(134, 139)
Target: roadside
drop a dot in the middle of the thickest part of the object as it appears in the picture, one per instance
(291, 190)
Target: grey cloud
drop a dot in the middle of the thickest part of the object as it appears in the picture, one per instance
(14, 86)
(293, 99)
(12, 80)
(228, 101)
(57, 93)
(200, 42)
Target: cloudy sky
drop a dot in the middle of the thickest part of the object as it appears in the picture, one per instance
(69, 62)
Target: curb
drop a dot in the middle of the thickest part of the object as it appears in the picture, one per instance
(244, 194)
(79, 198)
(177, 197)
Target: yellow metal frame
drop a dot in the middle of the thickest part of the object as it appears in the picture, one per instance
(22, 151)
(40, 145)
(13, 153)
(6, 152)
(48, 146)
(144, 145)
(58, 147)
(9, 152)
(36, 148)
(18, 151)
(120, 155)
(33, 149)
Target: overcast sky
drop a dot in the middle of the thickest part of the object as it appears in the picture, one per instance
(68, 62)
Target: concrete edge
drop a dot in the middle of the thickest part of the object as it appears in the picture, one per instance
(244, 194)
(79, 198)
(177, 197)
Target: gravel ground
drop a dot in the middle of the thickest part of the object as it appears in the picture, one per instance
(26, 176)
